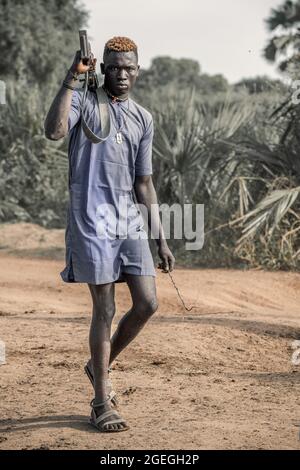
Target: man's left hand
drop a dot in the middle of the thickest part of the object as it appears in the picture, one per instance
(168, 260)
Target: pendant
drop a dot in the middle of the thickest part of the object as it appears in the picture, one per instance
(119, 139)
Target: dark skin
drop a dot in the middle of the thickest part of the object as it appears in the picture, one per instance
(120, 70)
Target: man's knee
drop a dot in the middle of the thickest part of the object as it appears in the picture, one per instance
(148, 306)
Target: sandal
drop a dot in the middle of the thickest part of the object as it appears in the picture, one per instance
(115, 418)
(112, 394)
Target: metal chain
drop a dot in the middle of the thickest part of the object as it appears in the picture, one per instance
(118, 119)
(188, 309)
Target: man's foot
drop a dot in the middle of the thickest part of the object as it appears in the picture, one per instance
(105, 419)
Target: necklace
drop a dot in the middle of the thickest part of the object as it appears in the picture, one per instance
(119, 136)
(113, 97)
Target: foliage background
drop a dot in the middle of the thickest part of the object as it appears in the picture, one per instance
(234, 148)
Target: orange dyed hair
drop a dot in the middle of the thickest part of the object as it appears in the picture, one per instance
(119, 44)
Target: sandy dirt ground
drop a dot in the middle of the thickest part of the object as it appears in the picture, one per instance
(218, 377)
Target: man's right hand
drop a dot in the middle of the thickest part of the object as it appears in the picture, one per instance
(79, 67)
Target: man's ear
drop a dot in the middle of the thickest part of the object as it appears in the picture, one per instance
(138, 71)
(102, 68)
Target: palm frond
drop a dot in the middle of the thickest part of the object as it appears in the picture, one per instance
(269, 212)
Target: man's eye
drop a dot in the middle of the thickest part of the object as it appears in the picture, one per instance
(127, 69)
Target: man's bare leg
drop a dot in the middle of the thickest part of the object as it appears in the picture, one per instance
(103, 312)
(144, 305)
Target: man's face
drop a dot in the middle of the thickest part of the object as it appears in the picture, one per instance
(121, 70)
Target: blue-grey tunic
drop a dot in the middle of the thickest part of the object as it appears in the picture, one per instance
(104, 234)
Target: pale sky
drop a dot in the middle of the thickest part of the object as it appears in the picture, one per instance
(224, 36)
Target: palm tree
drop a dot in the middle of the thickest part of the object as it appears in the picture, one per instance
(227, 153)
(276, 211)
(190, 143)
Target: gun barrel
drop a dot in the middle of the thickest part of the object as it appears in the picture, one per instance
(84, 44)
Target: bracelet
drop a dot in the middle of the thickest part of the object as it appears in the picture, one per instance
(66, 85)
(74, 75)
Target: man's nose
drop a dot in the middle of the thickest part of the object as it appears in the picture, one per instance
(122, 74)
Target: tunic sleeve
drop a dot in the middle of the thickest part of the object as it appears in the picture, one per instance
(143, 162)
(75, 110)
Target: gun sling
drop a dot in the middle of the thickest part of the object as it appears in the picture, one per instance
(104, 115)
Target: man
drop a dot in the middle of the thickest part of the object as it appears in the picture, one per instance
(100, 176)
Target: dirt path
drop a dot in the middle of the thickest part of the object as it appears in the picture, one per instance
(220, 377)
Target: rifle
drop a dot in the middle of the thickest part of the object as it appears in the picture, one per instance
(92, 83)
(86, 55)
